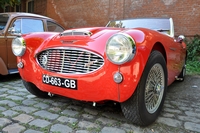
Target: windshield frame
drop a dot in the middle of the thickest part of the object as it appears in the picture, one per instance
(163, 25)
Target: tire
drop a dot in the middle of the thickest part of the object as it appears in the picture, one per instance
(34, 90)
(181, 76)
(145, 105)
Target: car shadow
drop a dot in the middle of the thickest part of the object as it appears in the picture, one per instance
(10, 77)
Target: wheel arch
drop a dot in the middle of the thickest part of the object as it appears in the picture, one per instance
(3, 70)
(159, 47)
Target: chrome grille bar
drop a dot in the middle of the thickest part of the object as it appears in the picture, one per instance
(70, 60)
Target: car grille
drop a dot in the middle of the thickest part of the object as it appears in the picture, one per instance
(70, 60)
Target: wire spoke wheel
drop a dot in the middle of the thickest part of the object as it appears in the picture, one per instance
(154, 88)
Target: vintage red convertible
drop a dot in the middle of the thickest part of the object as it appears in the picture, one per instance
(129, 61)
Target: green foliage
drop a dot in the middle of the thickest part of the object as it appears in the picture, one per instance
(9, 2)
(193, 55)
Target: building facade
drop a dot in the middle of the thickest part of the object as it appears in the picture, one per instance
(86, 13)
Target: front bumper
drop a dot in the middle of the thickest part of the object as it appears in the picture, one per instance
(94, 87)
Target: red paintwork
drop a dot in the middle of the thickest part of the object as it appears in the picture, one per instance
(99, 85)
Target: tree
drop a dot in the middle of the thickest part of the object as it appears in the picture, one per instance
(9, 2)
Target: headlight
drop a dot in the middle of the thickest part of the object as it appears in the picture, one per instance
(18, 46)
(120, 48)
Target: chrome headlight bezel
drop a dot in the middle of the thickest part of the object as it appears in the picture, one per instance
(120, 48)
(18, 46)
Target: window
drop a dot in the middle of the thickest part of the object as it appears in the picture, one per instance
(54, 27)
(7, 9)
(17, 8)
(23, 26)
(3, 21)
(30, 6)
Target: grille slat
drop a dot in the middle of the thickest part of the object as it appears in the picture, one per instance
(70, 60)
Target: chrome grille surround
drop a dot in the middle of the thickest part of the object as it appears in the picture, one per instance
(67, 60)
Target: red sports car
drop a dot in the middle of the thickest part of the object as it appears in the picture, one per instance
(129, 61)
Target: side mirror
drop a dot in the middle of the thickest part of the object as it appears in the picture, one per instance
(11, 30)
(180, 38)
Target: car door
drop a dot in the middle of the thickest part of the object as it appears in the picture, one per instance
(21, 26)
(3, 47)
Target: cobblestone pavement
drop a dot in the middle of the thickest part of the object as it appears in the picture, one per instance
(22, 112)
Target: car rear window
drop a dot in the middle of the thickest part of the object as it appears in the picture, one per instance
(3, 20)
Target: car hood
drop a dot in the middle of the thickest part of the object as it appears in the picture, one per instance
(93, 39)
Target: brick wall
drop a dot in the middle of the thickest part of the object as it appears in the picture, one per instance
(83, 13)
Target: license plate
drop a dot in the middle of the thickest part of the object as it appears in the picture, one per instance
(59, 82)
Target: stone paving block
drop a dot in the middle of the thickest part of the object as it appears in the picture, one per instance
(32, 131)
(171, 115)
(12, 92)
(174, 111)
(192, 126)
(13, 97)
(55, 109)
(4, 121)
(46, 114)
(114, 116)
(82, 131)
(91, 111)
(23, 118)
(106, 121)
(39, 123)
(9, 113)
(29, 102)
(87, 124)
(88, 116)
(74, 107)
(65, 119)
(2, 90)
(14, 128)
(2, 109)
(22, 89)
(189, 119)
(192, 114)
(132, 128)
(112, 130)
(41, 105)
(3, 95)
(21, 94)
(169, 121)
(70, 112)
(31, 96)
(24, 109)
(8, 102)
(60, 128)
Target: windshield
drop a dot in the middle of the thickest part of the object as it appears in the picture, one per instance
(150, 23)
(3, 20)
